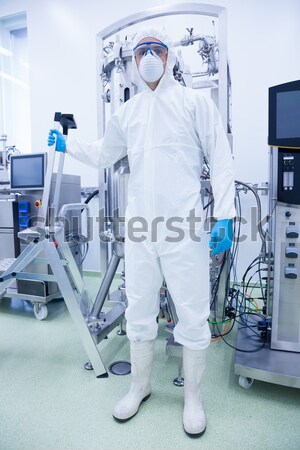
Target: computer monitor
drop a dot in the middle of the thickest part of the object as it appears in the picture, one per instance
(27, 172)
(284, 115)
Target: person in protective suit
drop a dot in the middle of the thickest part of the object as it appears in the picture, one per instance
(166, 130)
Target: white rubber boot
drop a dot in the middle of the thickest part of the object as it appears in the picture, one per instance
(194, 420)
(141, 355)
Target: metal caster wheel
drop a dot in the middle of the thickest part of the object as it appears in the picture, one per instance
(88, 366)
(245, 382)
(121, 332)
(179, 381)
(40, 311)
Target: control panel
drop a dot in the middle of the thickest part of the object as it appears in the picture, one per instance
(288, 188)
(286, 286)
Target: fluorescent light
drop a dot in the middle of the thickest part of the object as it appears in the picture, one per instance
(14, 80)
(5, 52)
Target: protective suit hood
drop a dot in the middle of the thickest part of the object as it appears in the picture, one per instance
(167, 79)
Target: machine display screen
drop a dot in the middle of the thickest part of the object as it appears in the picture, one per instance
(288, 115)
(27, 171)
(284, 115)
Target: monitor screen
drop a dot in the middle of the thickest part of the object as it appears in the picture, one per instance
(284, 115)
(27, 171)
(288, 115)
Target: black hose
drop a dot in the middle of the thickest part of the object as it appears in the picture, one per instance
(92, 195)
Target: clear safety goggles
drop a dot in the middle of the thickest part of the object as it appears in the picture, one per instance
(158, 48)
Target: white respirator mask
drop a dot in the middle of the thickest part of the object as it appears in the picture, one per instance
(151, 67)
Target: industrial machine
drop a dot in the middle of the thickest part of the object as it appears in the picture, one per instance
(20, 204)
(277, 360)
(9, 243)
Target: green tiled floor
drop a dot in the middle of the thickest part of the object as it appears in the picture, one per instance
(48, 401)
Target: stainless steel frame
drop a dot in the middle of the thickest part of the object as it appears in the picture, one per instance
(284, 295)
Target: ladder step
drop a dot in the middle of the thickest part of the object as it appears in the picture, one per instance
(6, 263)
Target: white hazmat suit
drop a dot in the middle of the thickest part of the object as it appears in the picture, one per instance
(166, 132)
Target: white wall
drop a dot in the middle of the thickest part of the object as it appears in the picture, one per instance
(263, 47)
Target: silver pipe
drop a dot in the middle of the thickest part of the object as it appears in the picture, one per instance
(105, 286)
(161, 11)
(58, 183)
(262, 233)
(273, 161)
(172, 308)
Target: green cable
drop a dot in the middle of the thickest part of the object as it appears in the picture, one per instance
(219, 323)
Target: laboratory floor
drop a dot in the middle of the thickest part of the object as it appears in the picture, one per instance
(49, 401)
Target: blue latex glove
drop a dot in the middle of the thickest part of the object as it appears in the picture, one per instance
(221, 236)
(60, 140)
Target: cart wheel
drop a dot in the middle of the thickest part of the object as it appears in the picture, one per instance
(245, 382)
(40, 311)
